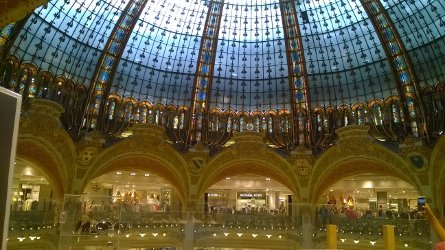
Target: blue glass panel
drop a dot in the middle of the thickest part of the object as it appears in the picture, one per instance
(421, 26)
(66, 37)
(159, 61)
(251, 67)
(344, 58)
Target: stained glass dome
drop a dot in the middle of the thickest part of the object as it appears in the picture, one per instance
(294, 70)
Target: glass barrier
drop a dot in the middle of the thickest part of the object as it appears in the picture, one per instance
(89, 222)
(37, 227)
(357, 228)
(99, 222)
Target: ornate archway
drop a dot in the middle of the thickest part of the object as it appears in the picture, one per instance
(45, 161)
(356, 153)
(249, 155)
(146, 150)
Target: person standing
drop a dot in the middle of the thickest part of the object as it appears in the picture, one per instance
(380, 214)
(324, 215)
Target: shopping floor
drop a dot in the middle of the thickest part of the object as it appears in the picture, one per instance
(142, 192)
(138, 210)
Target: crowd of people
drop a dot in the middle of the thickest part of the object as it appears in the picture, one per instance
(327, 212)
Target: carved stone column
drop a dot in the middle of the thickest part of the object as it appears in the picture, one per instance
(302, 161)
(307, 226)
(43, 140)
(45, 112)
(189, 225)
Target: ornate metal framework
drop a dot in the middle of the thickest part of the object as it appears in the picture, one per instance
(7, 37)
(286, 128)
(400, 64)
(197, 122)
(106, 68)
(300, 132)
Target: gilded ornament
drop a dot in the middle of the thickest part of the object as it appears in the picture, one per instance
(86, 155)
(303, 167)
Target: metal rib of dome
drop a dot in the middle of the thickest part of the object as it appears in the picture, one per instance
(351, 76)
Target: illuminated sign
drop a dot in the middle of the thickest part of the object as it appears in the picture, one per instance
(214, 195)
(252, 195)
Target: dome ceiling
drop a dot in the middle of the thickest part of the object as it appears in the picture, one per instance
(344, 58)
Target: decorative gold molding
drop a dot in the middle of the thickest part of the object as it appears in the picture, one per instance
(437, 173)
(354, 137)
(89, 148)
(354, 166)
(32, 150)
(302, 160)
(146, 150)
(248, 155)
(40, 122)
(355, 153)
(15, 10)
(43, 140)
(196, 158)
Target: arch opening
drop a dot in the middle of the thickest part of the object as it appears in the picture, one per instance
(145, 164)
(31, 184)
(126, 203)
(34, 206)
(248, 194)
(132, 191)
(371, 194)
(245, 207)
(360, 204)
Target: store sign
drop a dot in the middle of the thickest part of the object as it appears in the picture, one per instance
(214, 195)
(252, 195)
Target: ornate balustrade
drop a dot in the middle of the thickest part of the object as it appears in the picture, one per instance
(384, 116)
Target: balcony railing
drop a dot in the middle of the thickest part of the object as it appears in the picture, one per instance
(384, 116)
(79, 225)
